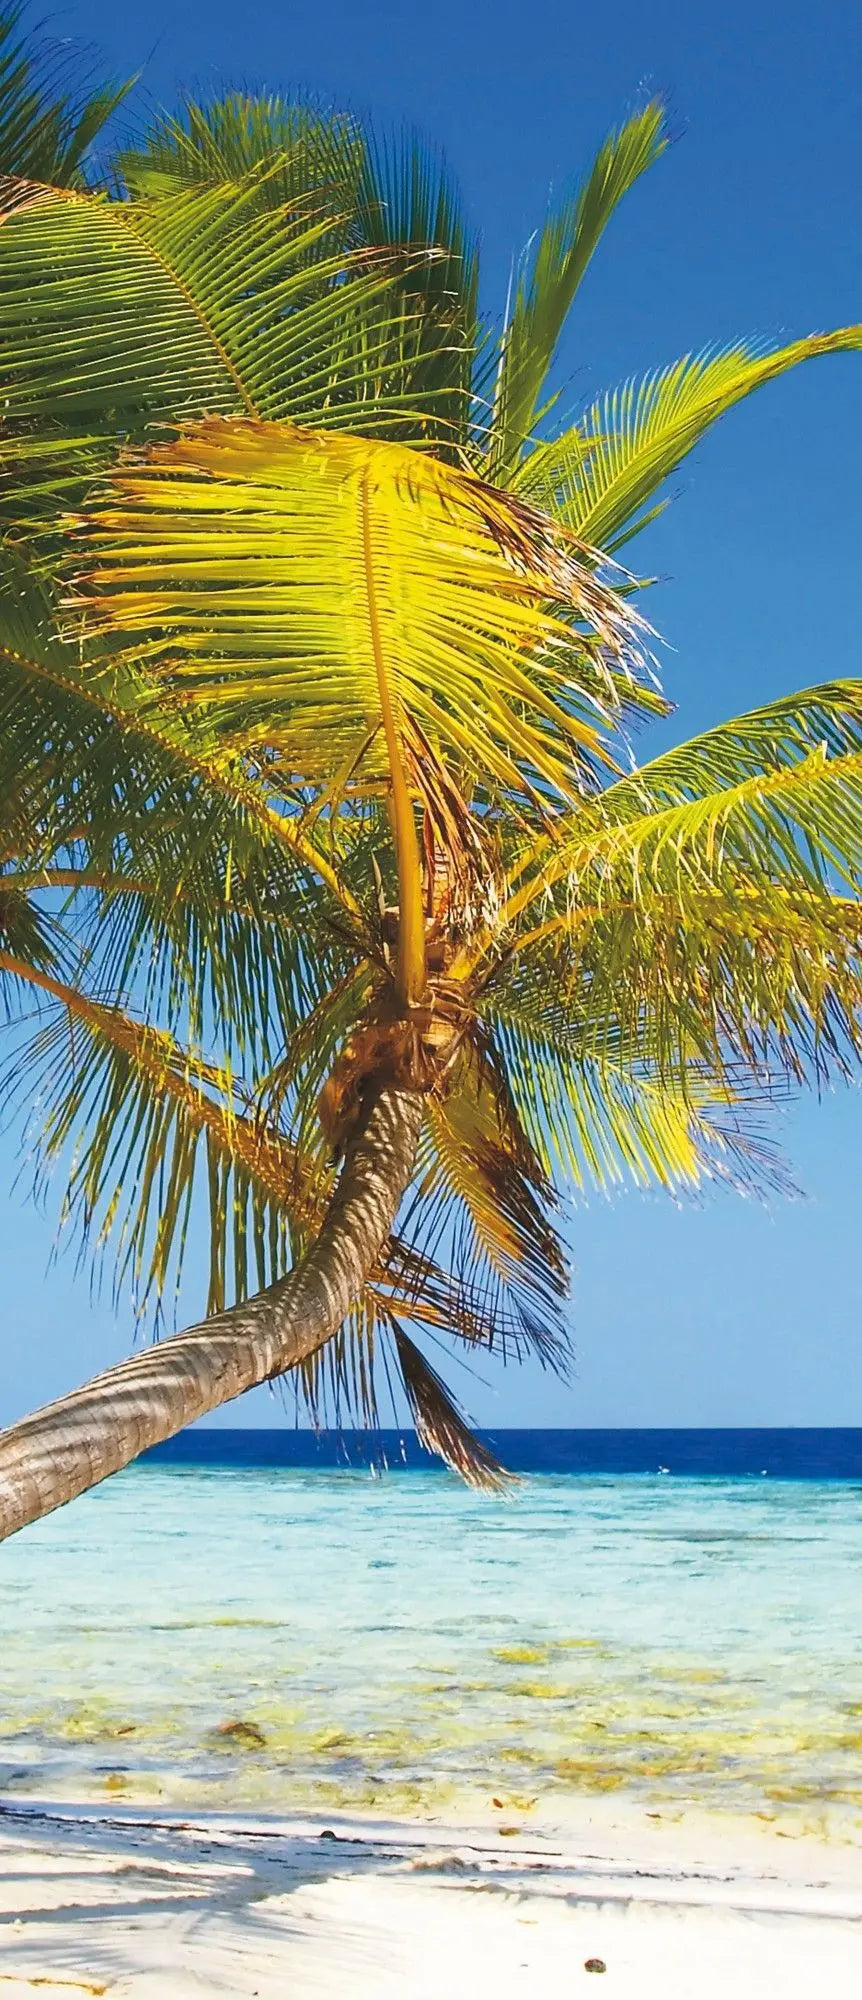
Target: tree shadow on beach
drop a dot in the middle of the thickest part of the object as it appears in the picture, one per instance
(100, 1900)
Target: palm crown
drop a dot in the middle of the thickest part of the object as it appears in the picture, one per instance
(318, 674)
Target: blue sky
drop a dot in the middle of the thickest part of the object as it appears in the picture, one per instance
(730, 1312)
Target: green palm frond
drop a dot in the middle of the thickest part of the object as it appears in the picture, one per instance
(50, 111)
(394, 201)
(145, 1122)
(825, 719)
(151, 1127)
(706, 908)
(194, 961)
(706, 771)
(184, 877)
(558, 260)
(114, 315)
(774, 794)
(135, 769)
(27, 934)
(602, 478)
(801, 824)
(766, 979)
(289, 1095)
(302, 148)
(780, 734)
(727, 980)
(407, 207)
(606, 1100)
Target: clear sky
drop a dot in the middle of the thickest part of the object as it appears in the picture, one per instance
(727, 1313)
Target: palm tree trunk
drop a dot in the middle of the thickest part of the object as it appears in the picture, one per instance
(72, 1444)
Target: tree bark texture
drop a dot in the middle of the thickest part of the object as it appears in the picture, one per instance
(72, 1444)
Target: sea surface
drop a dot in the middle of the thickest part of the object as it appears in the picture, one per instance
(270, 1621)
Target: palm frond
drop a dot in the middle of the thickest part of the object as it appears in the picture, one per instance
(114, 315)
(151, 1128)
(707, 907)
(90, 755)
(779, 734)
(289, 1095)
(440, 1427)
(557, 262)
(608, 1097)
(302, 147)
(51, 112)
(146, 1122)
(27, 933)
(763, 978)
(408, 208)
(735, 978)
(825, 719)
(394, 582)
(765, 741)
(602, 478)
(484, 1192)
(774, 795)
(801, 824)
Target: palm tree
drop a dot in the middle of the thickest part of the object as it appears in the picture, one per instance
(323, 842)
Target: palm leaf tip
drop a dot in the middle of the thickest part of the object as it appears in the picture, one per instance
(606, 477)
(51, 108)
(551, 276)
(439, 1424)
(225, 138)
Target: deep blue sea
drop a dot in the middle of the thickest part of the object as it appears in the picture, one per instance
(276, 1621)
(727, 1454)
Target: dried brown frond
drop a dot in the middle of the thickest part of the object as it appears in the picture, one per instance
(440, 1426)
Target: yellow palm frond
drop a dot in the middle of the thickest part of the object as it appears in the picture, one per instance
(343, 606)
(258, 559)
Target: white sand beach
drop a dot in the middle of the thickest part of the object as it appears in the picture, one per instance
(674, 1907)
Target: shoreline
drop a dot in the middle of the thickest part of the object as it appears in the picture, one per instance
(166, 1906)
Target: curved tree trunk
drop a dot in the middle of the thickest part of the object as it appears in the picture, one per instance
(72, 1444)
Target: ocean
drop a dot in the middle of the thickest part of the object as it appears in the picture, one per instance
(272, 1621)
(731, 1454)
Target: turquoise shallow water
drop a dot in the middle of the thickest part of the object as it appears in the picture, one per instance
(400, 1642)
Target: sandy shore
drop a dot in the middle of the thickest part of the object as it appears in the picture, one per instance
(167, 1909)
